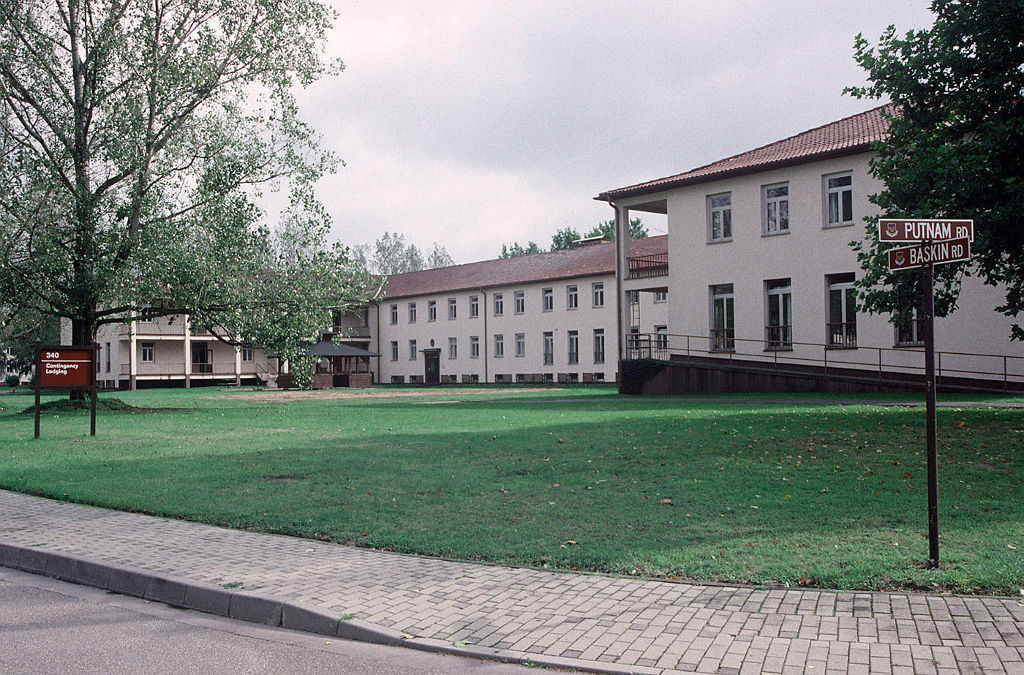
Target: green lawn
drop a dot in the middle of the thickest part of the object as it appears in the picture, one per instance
(798, 493)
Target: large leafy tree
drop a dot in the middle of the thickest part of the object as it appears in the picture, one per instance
(606, 228)
(392, 254)
(136, 136)
(954, 148)
(516, 249)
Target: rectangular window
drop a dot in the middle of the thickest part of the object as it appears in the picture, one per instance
(634, 297)
(394, 314)
(598, 345)
(838, 200)
(841, 329)
(723, 327)
(453, 348)
(394, 350)
(148, 352)
(720, 217)
(574, 347)
(661, 342)
(474, 347)
(412, 312)
(520, 344)
(145, 316)
(499, 305)
(499, 346)
(548, 297)
(520, 297)
(775, 208)
(572, 300)
(778, 327)
(549, 348)
(412, 350)
(597, 291)
(432, 310)
(452, 309)
(108, 357)
(247, 355)
(474, 306)
(661, 296)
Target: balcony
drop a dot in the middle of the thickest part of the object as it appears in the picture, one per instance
(644, 266)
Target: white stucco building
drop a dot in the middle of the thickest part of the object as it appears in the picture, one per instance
(761, 269)
(545, 317)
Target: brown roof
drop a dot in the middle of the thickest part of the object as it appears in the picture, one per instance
(589, 260)
(848, 136)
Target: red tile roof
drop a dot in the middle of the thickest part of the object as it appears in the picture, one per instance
(847, 136)
(582, 261)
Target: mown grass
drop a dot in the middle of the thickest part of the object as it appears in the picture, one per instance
(709, 489)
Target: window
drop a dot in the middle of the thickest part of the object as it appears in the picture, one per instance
(520, 297)
(574, 347)
(394, 314)
(394, 350)
(910, 332)
(661, 296)
(841, 328)
(474, 347)
(720, 217)
(453, 348)
(474, 306)
(598, 345)
(597, 291)
(499, 346)
(548, 297)
(412, 350)
(572, 297)
(412, 312)
(247, 355)
(148, 354)
(634, 297)
(432, 310)
(775, 208)
(108, 357)
(838, 200)
(452, 309)
(520, 344)
(660, 342)
(499, 305)
(778, 327)
(145, 316)
(549, 348)
(723, 328)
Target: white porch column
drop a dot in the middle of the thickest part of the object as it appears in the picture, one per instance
(621, 274)
(133, 359)
(238, 365)
(188, 351)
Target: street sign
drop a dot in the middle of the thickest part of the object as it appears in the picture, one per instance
(65, 367)
(934, 252)
(924, 229)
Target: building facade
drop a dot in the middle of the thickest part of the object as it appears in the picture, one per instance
(762, 268)
(545, 317)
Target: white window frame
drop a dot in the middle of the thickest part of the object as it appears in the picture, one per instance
(247, 355)
(599, 345)
(394, 315)
(474, 346)
(499, 346)
(839, 192)
(412, 312)
(474, 306)
(844, 285)
(723, 337)
(573, 344)
(520, 344)
(572, 296)
(520, 302)
(660, 296)
(412, 350)
(719, 217)
(499, 304)
(778, 336)
(453, 309)
(597, 293)
(453, 348)
(549, 348)
(147, 347)
(431, 310)
(775, 209)
(394, 350)
(547, 299)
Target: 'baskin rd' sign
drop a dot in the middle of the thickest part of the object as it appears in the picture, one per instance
(924, 229)
(935, 252)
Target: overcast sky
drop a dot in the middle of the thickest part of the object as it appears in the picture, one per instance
(475, 123)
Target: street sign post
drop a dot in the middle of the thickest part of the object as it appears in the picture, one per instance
(70, 367)
(936, 242)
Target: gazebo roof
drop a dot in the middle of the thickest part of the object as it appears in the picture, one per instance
(328, 348)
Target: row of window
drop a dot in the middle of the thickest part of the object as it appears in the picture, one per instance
(572, 301)
(147, 354)
(840, 324)
(837, 207)
(547, 339)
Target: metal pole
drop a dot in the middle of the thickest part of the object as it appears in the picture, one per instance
(929, 369)
(39, 376)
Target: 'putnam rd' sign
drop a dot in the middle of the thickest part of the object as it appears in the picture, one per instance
(926, 229)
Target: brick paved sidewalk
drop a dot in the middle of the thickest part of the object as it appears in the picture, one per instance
(585, 621)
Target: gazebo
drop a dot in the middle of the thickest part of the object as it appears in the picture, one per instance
(341, 365)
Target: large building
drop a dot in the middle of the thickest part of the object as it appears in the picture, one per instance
(545, 317)
(761, 268)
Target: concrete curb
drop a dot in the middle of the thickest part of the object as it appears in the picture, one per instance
(252, 607)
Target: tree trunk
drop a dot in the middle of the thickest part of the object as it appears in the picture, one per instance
(82, 333)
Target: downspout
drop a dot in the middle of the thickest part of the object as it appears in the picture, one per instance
(620, 352)
(484, 306)
(377, 336)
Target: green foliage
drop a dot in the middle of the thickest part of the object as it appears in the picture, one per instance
(564, 238)
(606, 228)
(136, 139)
(635, 373)
(516, 249)
(954, 149)
(391, 254)
(12, 381)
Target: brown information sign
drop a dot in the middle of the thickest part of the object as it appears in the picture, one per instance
(934, 252)
(65, 368)
(924, 229)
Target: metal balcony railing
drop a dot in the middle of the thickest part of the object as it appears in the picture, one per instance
(842, 334)
(651, 265)
(778, 337)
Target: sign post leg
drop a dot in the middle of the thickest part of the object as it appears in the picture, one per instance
(929, 371)
(92, 412)
(37, 406)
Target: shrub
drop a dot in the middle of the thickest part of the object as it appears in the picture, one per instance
(12, 380)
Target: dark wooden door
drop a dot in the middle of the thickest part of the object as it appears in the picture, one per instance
(432, 367)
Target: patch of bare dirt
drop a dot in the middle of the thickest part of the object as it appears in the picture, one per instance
(325, 394)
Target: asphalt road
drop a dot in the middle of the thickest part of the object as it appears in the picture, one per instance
(47, 626)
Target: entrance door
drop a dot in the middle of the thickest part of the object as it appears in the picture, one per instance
(201, 361)
(432, 366)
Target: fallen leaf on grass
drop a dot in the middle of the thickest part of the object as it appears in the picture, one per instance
(1011, 547)
(665, 501)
